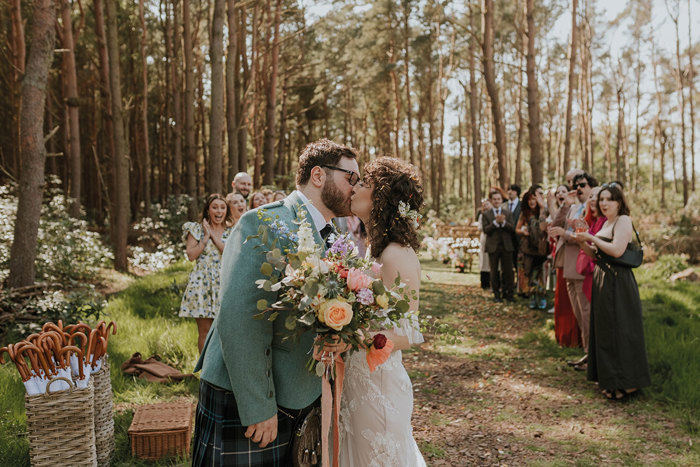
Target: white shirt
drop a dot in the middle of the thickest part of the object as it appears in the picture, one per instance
(496, 212)
(513, 204)
(316, 216)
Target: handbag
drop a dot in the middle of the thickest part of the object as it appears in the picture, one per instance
(306, 440)
(583, 263)
(633, 255)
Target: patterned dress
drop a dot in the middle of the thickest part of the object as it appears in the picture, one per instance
(201, 299)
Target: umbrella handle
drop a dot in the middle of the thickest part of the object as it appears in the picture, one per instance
(52, 342)
(71, 385)
(82, 337)
(50, 326)
(77, 351)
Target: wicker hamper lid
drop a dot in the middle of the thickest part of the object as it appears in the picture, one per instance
(168, 416)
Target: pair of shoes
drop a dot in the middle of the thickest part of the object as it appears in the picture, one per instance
(551, 311)
(581, 367)
(509, 298)
(543, 304)
(580, 361)
(621, 395)
(533, 303)
(497, 299)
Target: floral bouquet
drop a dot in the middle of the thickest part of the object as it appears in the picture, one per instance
(335, 294)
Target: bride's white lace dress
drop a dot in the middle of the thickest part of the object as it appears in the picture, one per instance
(375, 415)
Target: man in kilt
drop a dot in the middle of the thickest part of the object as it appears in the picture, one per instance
(254, 388)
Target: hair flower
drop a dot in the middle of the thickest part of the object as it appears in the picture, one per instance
(406, 212)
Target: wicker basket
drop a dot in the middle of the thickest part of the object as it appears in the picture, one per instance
(104, 414)
(162, 430)
(59, 427)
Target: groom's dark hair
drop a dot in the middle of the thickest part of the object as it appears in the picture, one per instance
(320, 153)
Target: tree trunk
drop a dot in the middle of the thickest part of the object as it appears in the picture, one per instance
(681, 99)
(232, 90)
(570, 94)
(619, 163)
(519, 111)
(144, 117)
(216, 122)
(31, 180)
(241, 96)
(270, 125)
(176, 98)
(407, 64)
(190, 148)
(691, 91)
(492, 88)
(476, 130)
(71, 88)
(18, 52)
(120, 211)
(533, 99)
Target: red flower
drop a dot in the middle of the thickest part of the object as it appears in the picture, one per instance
(343, 273)
(379, 341)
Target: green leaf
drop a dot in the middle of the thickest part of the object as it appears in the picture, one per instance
(265, 236)
(290, 323)
(378, 287)
(308, 318)
(320, 369)
(266, 268)
(402, 306)
(259, 315)
(273, 316)
(267, 286)
(262, 304)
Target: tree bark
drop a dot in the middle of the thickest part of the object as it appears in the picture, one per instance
(31, 179)
(216, 118)
(492, 89)
(691, 91)
(271, 103)
(407, 64)
(476, 130)
(18, 53)
(121, 208)
(681, 99)
(570, 94)
(144, 116)
(533, 99)
(72, 104)
(232, 99)
(190, 148)
(176, 99)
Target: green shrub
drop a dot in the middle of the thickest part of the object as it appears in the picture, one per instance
(665, 266)
(67, 251)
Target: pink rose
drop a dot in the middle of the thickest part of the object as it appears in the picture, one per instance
(376, 269)
(358, 280)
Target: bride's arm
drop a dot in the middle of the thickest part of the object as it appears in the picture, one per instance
(400, 260)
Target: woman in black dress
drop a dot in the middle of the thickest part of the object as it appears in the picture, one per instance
(617, 358)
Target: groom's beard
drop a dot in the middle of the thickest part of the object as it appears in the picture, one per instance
(334, 199)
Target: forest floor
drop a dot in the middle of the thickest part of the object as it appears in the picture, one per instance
(504, 395)
(501, 395)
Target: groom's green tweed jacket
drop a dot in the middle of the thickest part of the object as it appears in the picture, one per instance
(246, 355)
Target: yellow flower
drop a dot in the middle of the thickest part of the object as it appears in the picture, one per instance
(382, 301)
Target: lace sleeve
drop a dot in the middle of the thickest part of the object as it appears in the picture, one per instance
(410, 327)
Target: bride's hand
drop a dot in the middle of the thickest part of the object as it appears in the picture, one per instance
(337, 348)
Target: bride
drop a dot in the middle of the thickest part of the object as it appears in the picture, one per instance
(376, 407)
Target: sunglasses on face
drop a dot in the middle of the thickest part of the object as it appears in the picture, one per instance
(354, 177)
(581, 185)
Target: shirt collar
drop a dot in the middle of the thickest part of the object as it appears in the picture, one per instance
(316, 216)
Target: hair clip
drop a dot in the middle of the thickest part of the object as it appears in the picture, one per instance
(406, 212)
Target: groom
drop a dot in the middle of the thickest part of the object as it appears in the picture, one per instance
(255, 388)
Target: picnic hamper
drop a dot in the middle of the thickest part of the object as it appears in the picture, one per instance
(161, 430)
(104, 419)
(60, 428)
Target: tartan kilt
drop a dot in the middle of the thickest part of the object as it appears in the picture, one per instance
(219, 436)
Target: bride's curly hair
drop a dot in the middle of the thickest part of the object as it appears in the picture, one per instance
(393, 180)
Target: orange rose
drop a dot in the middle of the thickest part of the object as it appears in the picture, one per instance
(358, 280)
(335, 314)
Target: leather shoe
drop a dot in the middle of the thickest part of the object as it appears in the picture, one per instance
(580, 361)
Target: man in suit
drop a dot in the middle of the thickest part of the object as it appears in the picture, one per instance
(255, 388)
(514, 206)
(497, 224)
(574, 208)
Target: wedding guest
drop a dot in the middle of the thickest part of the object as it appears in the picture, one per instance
(268, 194)
(243, 184)
(498, 225)
(257, 199)
(279, 195)
(205, 242)
(237, 206)
(570, 218)
(532, 228)
(617, 357)
(514, 206)
(484, 269)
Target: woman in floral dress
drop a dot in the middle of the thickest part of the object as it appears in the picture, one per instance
(204, 244)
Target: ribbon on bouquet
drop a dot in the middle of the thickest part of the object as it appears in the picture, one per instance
(330, 404)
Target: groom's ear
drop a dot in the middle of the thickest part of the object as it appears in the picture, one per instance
(318, 177)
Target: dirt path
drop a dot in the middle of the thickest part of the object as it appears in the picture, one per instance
(504, 395)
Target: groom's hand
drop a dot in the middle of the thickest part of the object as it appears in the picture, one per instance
(264, 432)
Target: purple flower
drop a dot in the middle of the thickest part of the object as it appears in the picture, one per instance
(342, 246)
(365, 296)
